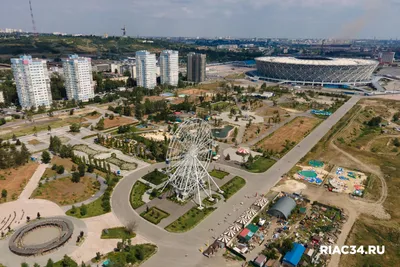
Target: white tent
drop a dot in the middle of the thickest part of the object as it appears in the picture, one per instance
(242, 220)
(224, 238)
(247, 216)
(230, 233)
(236, 227)
(251, 212)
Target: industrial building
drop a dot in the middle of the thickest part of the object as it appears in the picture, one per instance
(32, 81)
(283, 208)
(316, 70)
(78, 78)
(169, 67)
(196, 67)
(146, 69)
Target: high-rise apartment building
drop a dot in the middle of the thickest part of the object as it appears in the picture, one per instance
(196, 67)
(146, 69)
(78, 78)
(169, 67)
(32, 81)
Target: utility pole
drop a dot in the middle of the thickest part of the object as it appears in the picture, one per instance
(35, 33)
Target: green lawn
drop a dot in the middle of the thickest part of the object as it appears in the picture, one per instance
(209, 203)
(155, 177)
(138, 189)
(117, 233)
(133, 254)
(93, 209)
(231, 187)
(189, 220)
(218, 174)
(154, 215)
(261, 164)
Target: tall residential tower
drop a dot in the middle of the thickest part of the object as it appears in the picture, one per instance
(32, 81)
(146, 69)
(78, 78)
(196, 67)
(169, 67)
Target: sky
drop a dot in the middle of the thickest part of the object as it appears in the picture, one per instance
(210, 18)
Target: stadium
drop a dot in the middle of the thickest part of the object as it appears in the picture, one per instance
(316, 70)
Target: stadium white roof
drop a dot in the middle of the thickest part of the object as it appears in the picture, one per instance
(325, 61)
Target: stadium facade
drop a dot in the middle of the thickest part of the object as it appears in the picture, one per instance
(316, 70)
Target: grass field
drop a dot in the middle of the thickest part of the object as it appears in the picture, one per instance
(260, 164)
(154, 215)
(155, 177)
(354, 137)
(117, 233)
(42, 125)
(14, 180)
(189, 220)
(137, 192)
(131, 255)
(283, 139)
(231, 187)
(218, 174)
(117, 121)
(64, 192)
(66, 162)
(93, 209)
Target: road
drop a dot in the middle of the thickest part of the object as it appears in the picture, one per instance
(183, 249)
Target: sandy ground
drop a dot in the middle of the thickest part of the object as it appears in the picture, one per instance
(290, 186)
(156, 136)
(117, 121)
(15, 179)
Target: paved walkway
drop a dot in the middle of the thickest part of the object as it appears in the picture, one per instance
(33, 182)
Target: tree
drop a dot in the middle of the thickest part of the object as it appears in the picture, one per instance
(100, 124)
(38, 215)
(111, 117)
(4, 193)
(24, 264)
(98, 256)
(81, 169)
(36, 265)
(75, 128)
(127, 73)
(60, 169)
(49, 128)
(396, 142)
(287, 245)
(18, 143)
(55, 144)
(50, 263)
(374, 122)
(139, 254)
(46, 157)
(71, 112)
(83, 210)
(68, 262)
(76, 178)
(228, 157)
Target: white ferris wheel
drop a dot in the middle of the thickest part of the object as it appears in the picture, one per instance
(188, 157)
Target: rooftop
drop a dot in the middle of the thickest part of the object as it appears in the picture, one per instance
(321, 61)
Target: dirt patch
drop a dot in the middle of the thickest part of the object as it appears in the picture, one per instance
(34, 142)
(290, 186)
(90, 117)
(267, 111)
(294, 131)
(14, 180)
(117, 121)
(67, 163)
(254, 131)
(64, 192)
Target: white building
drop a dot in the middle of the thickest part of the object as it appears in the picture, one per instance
(169, 67)
(78, 78)
(146, 69)
(386, 57)
(1, 97)
(32, 81)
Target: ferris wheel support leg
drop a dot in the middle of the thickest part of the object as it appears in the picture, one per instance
(199, 196)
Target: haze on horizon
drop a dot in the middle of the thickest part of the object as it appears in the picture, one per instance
(209, 18)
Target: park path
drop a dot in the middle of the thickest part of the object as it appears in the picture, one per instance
(33, 182)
